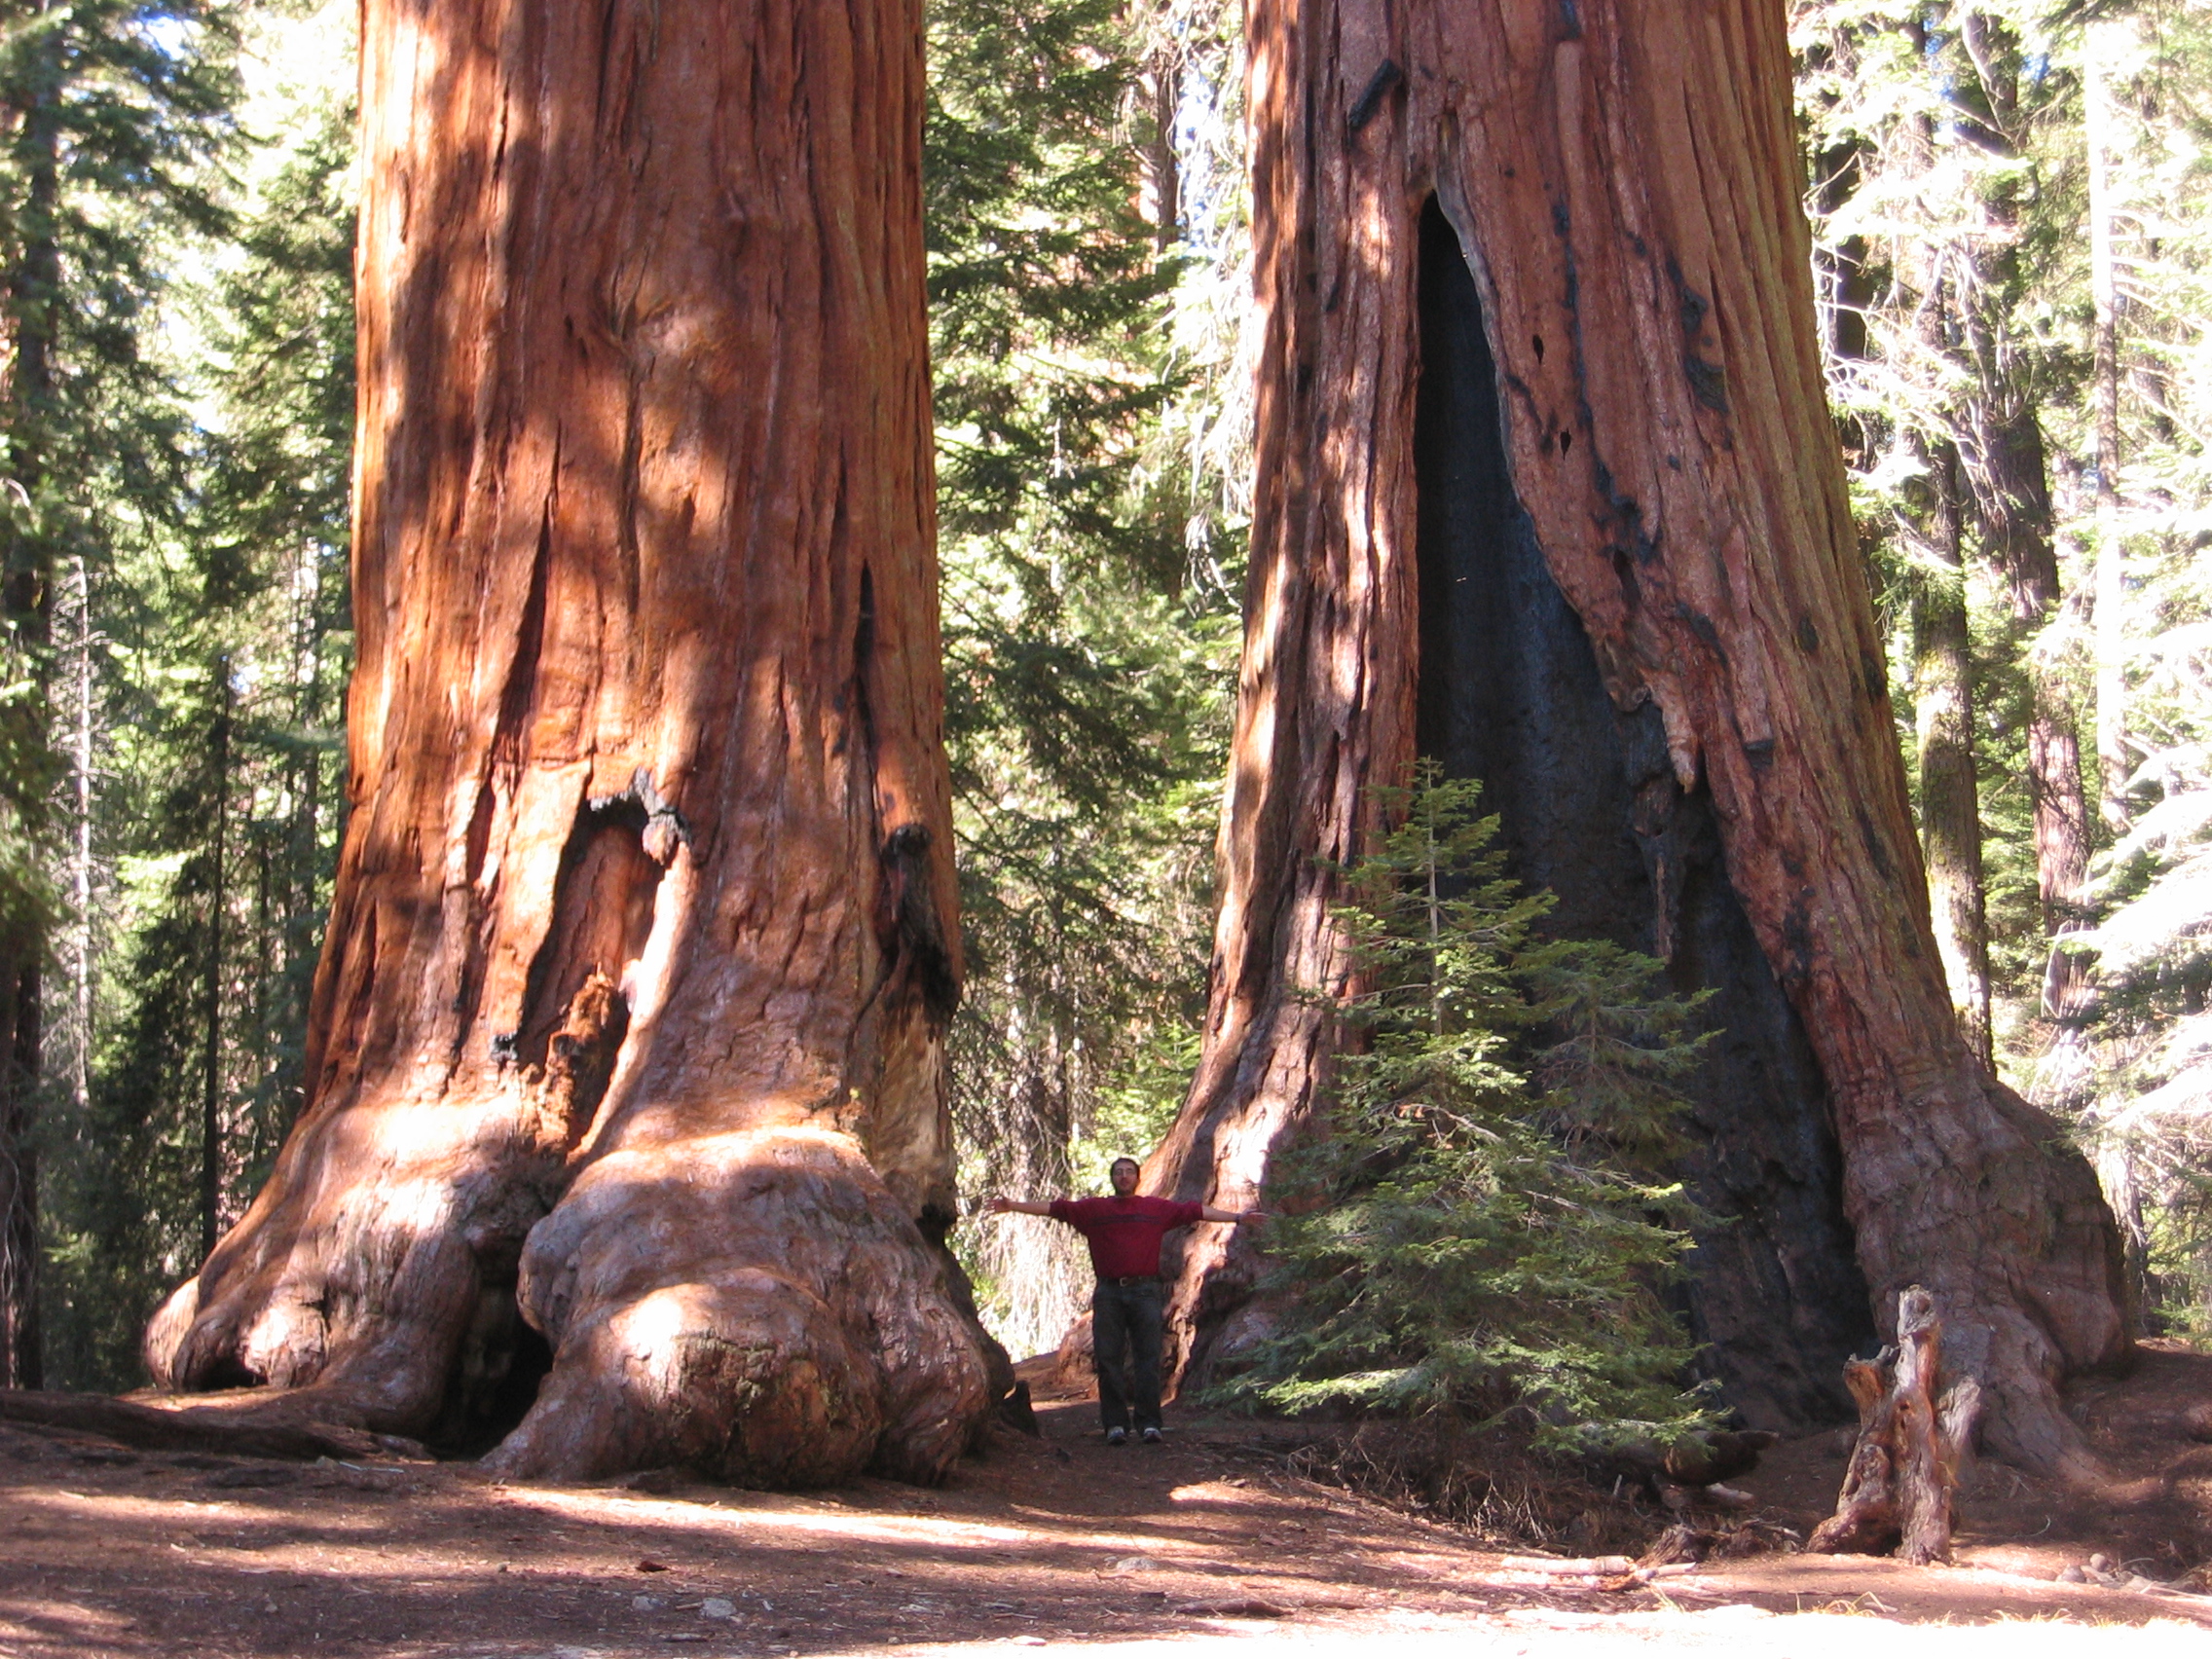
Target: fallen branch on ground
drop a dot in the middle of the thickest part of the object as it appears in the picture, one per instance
(1592, 1572)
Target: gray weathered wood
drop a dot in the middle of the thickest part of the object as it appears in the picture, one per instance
(1916, 1430)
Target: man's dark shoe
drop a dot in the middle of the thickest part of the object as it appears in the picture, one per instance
(1117, 1436)
(1153, 1437)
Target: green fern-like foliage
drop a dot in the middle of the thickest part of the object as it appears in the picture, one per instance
(1475, 1228)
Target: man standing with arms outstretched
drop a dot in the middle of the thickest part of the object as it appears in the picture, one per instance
(1125, 1234)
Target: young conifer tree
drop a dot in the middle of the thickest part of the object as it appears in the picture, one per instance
(1480, 1229)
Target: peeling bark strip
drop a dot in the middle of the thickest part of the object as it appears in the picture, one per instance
(644, 944)
(1915, 1434)
(1604, 166)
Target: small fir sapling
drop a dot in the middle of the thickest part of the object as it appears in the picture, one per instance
(1474, 1226)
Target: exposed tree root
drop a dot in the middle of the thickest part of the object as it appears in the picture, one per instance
(269, 1429)
(754, 1306)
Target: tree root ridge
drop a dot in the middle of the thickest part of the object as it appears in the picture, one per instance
(752, 1304)
(2011, 1236)
(281, 1427)
(357, 1273)
(391, 1229)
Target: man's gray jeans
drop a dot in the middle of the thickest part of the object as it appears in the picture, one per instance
(1126, 1317)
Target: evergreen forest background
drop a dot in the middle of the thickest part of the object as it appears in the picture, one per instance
(2012, 215)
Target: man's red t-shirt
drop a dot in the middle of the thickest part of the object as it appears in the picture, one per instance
(1125, 1234)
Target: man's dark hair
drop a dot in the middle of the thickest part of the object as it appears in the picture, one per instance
(1124, 1159)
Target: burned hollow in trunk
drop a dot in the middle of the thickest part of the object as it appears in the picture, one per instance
(1589, 808)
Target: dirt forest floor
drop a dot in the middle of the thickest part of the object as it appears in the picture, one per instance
(1212, 1542)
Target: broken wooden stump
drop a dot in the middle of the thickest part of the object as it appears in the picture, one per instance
(1915, 1433)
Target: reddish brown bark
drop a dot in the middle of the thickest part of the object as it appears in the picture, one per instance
(1623, 182)
(642, 944)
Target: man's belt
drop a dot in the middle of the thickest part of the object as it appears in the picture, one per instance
(1132, 1279)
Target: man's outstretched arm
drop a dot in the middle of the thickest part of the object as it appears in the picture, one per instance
(1016, 1207)
(1212, 1214)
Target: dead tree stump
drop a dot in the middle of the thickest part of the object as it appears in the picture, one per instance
(1915, 1433)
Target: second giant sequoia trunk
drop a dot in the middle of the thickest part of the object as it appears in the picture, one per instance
(1548, 488)
(630, 1021)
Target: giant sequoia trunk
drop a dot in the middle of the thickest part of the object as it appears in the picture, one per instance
(1547, 487)
(629, 1024)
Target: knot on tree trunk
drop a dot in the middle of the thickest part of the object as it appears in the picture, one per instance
(1915, 1435)
(755, 1306)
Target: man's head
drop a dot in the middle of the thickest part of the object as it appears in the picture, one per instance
(1124, 1176)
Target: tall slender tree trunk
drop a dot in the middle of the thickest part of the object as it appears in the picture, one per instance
(2105, 41)
(2011, 503)
(302, 842)
(211, 989)
(1950, 795)
(2006, 473)
(26, 600)
(631, 1015)
(1160, 84)
(1631, 458)
(83, 968)
(19, 1325)
(264, 948)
